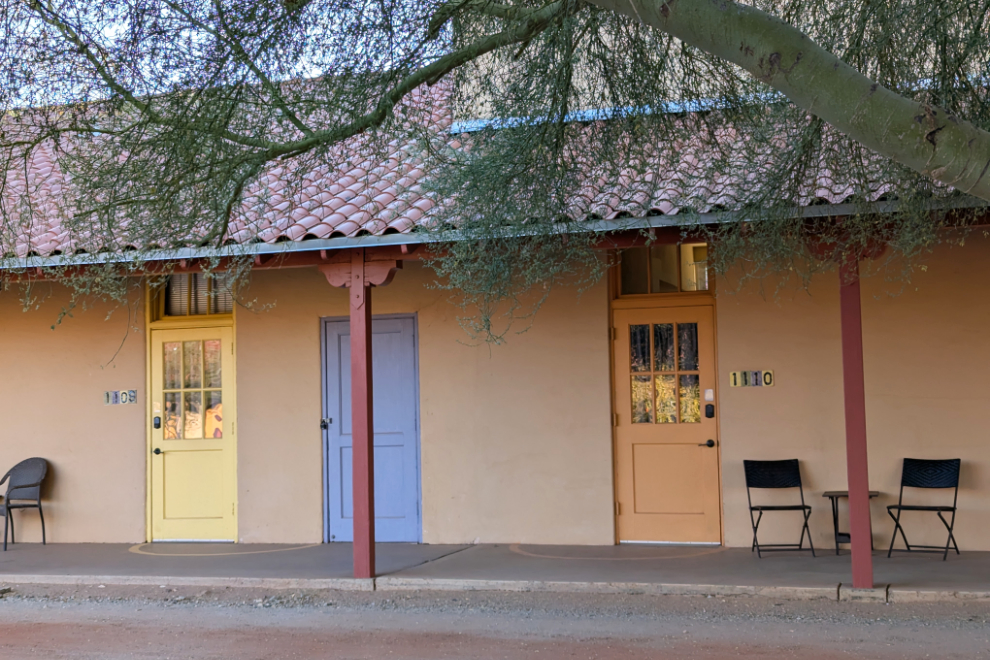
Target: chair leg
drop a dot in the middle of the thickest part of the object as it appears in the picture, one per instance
(11, 514)
(897, 526)
(6, 519)
(756, 541)
(42, 514)
(951, 541)
(835, 522)
(804, 530)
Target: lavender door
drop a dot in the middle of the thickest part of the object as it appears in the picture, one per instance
(396, 402)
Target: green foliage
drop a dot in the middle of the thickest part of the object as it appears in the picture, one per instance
(168, 115)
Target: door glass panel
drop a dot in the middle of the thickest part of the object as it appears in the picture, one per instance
(666, 406)
(194, 407)
(192, 413)
(211, 363)
(192, 363)
(663, 269)
(639, 347)
(663, 347)
(690, 399)
(214, 414)
(173, 365)
(173, 415)
(687, 338)
(642, 403)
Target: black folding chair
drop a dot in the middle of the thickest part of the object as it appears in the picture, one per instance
(776, 474)
(23, 492)
(921, 473)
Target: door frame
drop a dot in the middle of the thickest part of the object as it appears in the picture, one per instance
(661, 301)
(325, 437)
(152, 324)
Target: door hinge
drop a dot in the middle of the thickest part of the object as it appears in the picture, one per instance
(615, 419)
(232, 508)
(618, 508)
(612, 334)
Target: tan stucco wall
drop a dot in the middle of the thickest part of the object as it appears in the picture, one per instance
(515, 439)
(927, 351)
(516, 443)
(51, 401)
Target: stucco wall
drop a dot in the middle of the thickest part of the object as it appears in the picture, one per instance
(927, 350)
(515, 439)
(516, 443)
(51, 400)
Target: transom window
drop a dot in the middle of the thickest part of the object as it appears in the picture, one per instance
(663, 365)
(664, 269)
(194, 294)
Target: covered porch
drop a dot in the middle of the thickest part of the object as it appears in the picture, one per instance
(636, 569)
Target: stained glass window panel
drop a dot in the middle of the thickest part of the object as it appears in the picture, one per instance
(663, 347)
(213, 421)
(642, 400)
(687, 339)
(212, 376)
(172, 356)
(173, 416)
(192, 363)
(690, 394)
(639, 347)
(192, 413)
(666, 399)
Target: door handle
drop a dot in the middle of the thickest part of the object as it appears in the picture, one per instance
(326, 422)
(710, 443)
(156, 451)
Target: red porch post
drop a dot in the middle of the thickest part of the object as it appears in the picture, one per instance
(855, 408)
(360, 271)
(362, 421)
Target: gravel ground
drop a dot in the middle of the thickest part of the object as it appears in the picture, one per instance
(117, 623)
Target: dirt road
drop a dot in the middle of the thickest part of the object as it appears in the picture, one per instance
(144, 623)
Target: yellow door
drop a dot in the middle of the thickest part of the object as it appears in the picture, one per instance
(193, 459)
(667, 483)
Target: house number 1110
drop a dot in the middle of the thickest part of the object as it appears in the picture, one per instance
(751, 379)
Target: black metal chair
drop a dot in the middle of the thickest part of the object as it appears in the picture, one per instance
(23, 492)
(921, 473)
(776, 474)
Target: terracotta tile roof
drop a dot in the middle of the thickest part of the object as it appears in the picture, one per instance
(360, 195)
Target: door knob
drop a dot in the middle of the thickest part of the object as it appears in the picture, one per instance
(156, 451)
(326, 422)
(710, 443)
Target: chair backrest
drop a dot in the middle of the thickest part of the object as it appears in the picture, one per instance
(25, 479)
(922, 473)
(773, 474)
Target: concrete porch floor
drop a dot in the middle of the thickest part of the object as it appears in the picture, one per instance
(625, 568)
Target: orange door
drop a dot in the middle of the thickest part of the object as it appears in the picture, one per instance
(666, 473)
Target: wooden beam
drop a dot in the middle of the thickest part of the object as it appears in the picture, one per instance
(854, 390)
(360, 271)
(362, 421)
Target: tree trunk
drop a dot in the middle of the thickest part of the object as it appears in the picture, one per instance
(917, 135)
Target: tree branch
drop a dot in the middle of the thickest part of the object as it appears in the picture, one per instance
(921, 136)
